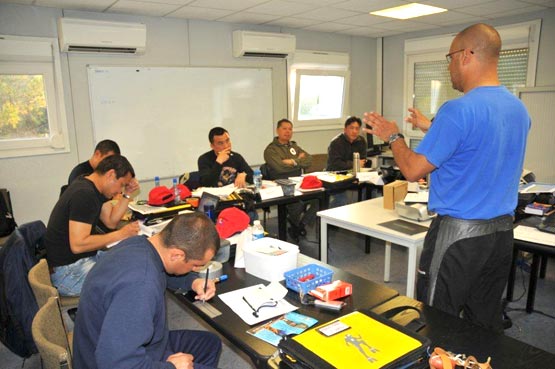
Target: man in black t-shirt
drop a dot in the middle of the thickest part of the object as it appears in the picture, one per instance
(221, 166)
(71, 246)
(103, 149)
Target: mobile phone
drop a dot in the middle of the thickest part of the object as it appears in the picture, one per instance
(333, 328)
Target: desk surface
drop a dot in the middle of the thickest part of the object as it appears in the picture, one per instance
(367, 294)
(462, 337)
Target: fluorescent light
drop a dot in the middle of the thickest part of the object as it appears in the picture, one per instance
(408, 11)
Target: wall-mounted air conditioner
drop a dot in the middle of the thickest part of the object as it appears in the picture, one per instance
(263, 44)
(92, 36)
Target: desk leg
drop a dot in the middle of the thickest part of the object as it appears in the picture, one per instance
(367, 242)
(323, 241)
(282, 222)
(512, 274)
(533, 283)
(411, 271)
(387, 266)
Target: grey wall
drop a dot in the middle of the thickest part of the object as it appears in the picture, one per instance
(393, 66)
(34, 182)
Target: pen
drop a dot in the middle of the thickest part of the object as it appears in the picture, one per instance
(220, 278)
(206, 282)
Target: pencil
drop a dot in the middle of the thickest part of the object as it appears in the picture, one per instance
(206, 281)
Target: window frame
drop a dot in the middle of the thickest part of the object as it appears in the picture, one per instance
(320, 124)
(32, 56)
(519, 35)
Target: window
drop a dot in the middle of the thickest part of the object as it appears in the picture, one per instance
(32, 115)
(429, 82)
(319, 89)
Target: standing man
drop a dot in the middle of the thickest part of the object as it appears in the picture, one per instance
(474, 150)
(340, 154)
(103, 149)
(221, 166)
(286, 159)
(71, 246)
(121, 321)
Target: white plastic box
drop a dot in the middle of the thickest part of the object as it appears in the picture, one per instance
(262, 264)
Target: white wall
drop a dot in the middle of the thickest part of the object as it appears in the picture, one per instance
(34, 182)
(393, 68)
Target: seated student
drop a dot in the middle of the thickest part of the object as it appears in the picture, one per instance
(221, 166)
(103, 149)
(340, 153)
(121, 322)
(71, 246)
(284, 159)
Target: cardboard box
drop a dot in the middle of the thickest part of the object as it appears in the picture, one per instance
(333, 291)
(268, 258)
(393, 192)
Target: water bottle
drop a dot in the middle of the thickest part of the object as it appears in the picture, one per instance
(176, 191)
(156, 181)
(257, 179)
(356, 163)
(257, 230)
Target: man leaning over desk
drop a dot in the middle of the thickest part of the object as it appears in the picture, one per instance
(221, 166)
(474, 150)
(71, 245)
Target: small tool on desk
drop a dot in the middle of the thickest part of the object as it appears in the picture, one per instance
(220, 278)
(206, 282)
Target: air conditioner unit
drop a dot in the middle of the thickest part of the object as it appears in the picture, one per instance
(263, 44)
(92, 36)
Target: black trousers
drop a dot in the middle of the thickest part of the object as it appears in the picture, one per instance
(465, 266)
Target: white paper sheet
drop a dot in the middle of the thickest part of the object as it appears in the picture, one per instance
(235, 301)
(531, 234)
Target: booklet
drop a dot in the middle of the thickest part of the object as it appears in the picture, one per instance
(274, 330)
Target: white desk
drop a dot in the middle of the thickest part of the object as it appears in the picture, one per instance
(363, 217)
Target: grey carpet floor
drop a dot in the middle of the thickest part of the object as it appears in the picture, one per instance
(346, 251)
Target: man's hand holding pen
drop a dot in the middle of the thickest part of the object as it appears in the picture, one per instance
(198, 287)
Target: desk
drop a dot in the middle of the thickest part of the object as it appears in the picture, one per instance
(282, 202)
(461, 337)
(367, 294)
(364, 217)
(538, 250)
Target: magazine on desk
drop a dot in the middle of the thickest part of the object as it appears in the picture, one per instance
(290, 323)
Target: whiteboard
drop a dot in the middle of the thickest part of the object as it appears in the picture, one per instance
(540, 148)
(161, 116)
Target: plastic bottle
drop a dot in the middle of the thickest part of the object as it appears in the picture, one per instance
(257, 179)
(176, 192)
(156, 181)
(257, 230)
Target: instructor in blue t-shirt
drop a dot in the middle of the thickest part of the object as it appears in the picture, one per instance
(474, 150)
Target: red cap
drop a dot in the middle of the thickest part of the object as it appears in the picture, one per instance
(184, 191)
(160, 195)
(310, 182)
(231, 221)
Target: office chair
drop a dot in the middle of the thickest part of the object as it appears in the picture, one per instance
(39, 279)
(49, 333)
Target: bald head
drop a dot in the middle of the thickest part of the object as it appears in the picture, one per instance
(482, 39)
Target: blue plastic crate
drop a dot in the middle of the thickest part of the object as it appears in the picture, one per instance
(321, 276)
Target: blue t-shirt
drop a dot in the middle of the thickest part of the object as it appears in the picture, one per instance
(477, 144)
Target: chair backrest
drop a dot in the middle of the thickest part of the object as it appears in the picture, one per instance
(50, 336)
(190, 179)
(39, 279)
(319, 162)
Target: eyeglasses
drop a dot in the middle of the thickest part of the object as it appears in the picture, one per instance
(449, 56)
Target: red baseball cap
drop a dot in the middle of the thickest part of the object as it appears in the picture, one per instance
(184, 191)
(160, 195)
(310, 182)
(231, 221)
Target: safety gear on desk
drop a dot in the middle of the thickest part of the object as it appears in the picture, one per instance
(231, 221)
(311, 182)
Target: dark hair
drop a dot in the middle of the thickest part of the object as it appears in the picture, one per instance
(281, 121)
(194, 233)
(352, 120)
(105, 146)
(117, 162)
(216, 131)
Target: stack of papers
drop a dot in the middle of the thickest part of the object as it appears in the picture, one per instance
(536, 187)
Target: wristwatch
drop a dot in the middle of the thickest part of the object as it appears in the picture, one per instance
(126, 196)
(394, 137)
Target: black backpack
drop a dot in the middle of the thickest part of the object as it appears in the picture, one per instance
(7, 221)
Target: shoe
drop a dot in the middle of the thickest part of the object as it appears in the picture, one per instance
(72, 312)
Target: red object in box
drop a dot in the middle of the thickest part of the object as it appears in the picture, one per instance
(332, 291)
